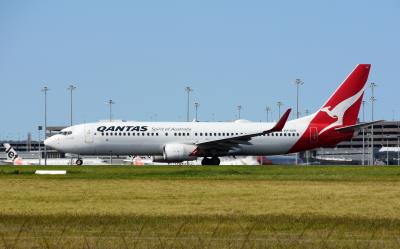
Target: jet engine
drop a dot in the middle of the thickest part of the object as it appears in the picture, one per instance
(174, 153)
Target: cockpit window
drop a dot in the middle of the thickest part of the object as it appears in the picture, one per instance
(66, 133)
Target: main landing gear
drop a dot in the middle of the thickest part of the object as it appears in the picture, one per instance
(79, 162)
(210, 161)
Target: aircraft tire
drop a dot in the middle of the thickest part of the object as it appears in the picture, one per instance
(210, 161)
(215, 161)
(79, 162)
(206, 161)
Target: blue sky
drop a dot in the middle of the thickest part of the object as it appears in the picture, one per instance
(142, 54)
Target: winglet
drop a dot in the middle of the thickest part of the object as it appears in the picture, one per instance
(281, 123)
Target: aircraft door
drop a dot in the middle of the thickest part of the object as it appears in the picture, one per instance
(313, 135)
(88, 135)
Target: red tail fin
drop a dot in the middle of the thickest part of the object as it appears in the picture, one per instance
(340, 110)
(343, 106)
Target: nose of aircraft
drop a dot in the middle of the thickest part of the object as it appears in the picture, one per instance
(50, 142)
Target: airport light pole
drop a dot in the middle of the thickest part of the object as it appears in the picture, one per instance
(45, 89)
(267, 109)
(363, 132)
(71, 88)
(196, 106)
(40, 151)
(373, 99)
(279, 104)
(188, 89)
(239, 108)
(298, 83)
(110, 103)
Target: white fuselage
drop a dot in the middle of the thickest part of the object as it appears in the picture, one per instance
(149, 138)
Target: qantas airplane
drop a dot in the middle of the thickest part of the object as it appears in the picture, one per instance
(171, 142)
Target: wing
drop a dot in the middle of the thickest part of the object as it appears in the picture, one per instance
(230, 143)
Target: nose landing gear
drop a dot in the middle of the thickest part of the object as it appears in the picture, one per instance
(210, 161)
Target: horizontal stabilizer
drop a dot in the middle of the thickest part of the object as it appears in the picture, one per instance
(356, 126)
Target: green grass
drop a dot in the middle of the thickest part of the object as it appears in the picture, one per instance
(201, 207)
(318, 173)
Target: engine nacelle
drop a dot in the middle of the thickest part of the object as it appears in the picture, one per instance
(175, 153)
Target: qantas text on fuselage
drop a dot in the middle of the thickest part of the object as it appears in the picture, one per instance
(334, 122)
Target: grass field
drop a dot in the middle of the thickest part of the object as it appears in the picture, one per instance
(201, 207)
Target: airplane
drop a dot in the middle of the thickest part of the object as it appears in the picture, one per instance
(172, 142)
(15, 159)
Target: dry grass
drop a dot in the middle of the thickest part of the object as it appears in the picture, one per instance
(199, 197)
(95, 231)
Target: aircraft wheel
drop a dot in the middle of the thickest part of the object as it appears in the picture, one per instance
(206, 161)
(210, 161)
(79, 162)
(215, 161)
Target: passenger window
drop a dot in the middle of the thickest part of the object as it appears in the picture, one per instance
(183, 134)
(143, 134)
(215, 134)
(156, 134)
(166, 134)
(195, 134)
(201, 134)
(187, 134)
(152, 134)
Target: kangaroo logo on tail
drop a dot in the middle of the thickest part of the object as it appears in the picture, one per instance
(339, 110)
